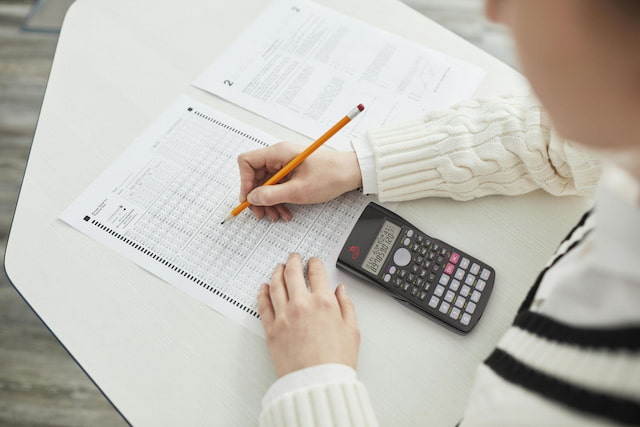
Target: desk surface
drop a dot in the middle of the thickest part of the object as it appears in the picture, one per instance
(164, 358)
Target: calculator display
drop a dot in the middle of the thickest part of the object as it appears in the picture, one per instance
(381, 247)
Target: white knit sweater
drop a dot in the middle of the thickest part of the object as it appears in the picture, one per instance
(573, 355)
(479, 147)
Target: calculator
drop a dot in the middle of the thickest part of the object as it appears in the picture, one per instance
(423, 273)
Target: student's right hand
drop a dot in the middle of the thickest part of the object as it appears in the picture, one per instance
(323, 176)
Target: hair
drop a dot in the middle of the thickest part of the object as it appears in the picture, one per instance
(621, 14)
(629, 8)
(626, 9)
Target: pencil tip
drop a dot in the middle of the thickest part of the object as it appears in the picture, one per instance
(227, 218)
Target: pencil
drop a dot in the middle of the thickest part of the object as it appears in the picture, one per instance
(295, 162)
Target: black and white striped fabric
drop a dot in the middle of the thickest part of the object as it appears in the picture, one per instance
(590, 372)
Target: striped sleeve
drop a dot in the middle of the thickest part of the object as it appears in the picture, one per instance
(546, 371)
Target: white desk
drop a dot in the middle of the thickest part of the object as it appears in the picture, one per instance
(162, 357)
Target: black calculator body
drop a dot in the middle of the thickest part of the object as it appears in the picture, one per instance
(426, 274)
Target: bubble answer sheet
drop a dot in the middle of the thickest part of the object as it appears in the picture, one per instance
(161, 203)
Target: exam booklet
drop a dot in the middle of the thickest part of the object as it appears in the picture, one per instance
(304, 66)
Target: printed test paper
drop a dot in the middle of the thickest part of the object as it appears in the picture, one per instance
(305, 66)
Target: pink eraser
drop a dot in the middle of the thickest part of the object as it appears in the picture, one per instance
(360, 107)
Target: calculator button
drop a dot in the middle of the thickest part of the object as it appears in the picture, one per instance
(460, 302)
(475, 296)
(402, 257)
(485, 274)
(449, 269)
(454, 258)
(423, 251)
(427, 243)
(406, 241)
(406, 286)
(392, 269)
(465, 290)
(480, 284)
(444, 279)
(471, 307)
(410, 233)
(420, 283)
(431, 256)
(470, 279)
(435, 246)
(415, 291)
(443, 251)
(455, 313)
(420, 238)
(439, 291)
(423, 295)
(397, 282)
(465, 319)
(386, 278)
(423, 273)
(459, 274)
(464, 263)
(431, 278)
(419, 259)
(444, 307)
(454, 285)
(415, 268)
(433, 302)
(402, 273)
(415, 247)
(411, 278)
(440, 260)
(436, 269)
(474, 268)
(449, 296)
(428, 264)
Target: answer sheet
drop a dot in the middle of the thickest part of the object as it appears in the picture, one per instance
(305, 66)
(161, 204)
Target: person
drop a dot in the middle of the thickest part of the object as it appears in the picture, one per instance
(572, 356)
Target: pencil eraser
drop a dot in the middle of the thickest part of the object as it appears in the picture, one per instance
(360, 107)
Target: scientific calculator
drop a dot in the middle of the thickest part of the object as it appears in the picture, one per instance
(423, 273)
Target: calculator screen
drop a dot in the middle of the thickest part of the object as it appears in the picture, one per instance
(381, 248)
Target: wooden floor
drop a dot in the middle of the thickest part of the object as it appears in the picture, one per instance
(39, 382)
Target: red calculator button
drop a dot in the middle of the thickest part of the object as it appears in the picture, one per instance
(449, 268)
(454, 258)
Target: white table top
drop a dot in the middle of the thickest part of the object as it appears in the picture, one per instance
(164, 358)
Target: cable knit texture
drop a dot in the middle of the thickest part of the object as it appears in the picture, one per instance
(340, 404)
(496, 145)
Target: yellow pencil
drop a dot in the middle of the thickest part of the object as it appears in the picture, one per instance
(286, 170)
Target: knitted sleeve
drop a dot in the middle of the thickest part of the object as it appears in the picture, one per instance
(341, 403)
(479, 147)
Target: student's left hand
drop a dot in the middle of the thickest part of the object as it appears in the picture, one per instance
(307, 327)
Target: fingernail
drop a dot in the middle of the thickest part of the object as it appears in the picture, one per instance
(343, 288)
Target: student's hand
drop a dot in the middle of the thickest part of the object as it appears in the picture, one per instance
(323, 176)
(307, 327)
